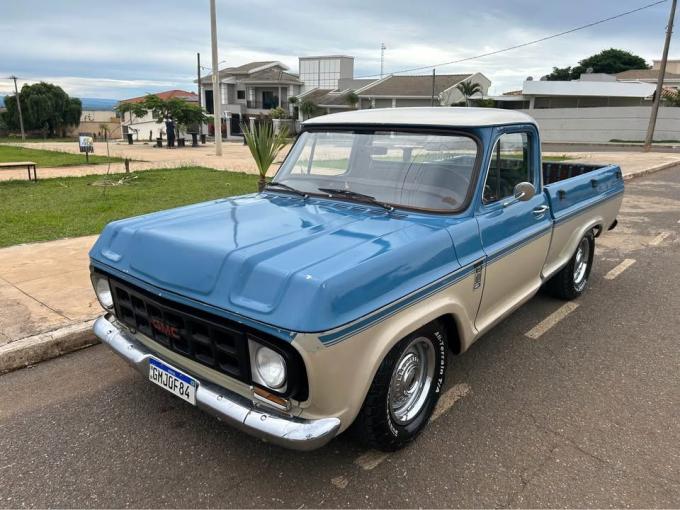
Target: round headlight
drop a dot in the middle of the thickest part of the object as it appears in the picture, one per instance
(103, 291)
(271, 367)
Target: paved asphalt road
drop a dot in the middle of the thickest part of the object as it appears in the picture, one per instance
(585, 415)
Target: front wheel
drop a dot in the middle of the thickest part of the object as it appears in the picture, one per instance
(404, 391)
(572, 279)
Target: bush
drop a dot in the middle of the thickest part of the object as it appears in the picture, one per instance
(278, 113)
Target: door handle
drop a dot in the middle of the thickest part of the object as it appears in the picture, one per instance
(540, 211)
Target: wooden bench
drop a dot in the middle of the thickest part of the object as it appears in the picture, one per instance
(23, 164)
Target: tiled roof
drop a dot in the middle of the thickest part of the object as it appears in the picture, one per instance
(246, 68)
(645, 74)
(418, 86)
(168, 94)
(315, 95)
(271, 75)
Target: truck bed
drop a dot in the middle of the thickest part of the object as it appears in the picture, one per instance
(555, 172)
(573, 187)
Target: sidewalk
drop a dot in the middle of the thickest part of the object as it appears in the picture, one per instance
(633, 164)
(44, 287)
(235, 157)
(47, 303)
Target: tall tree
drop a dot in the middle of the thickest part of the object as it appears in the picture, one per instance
(186, 115)
(44, 106)
(609, 61)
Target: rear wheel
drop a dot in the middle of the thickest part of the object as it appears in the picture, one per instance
(572, 279)
(404, 391)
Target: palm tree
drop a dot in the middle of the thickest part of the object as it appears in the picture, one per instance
(308, 108)
(469, 89)
(264, 145)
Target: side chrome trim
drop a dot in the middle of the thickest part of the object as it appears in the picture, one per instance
(289, 432)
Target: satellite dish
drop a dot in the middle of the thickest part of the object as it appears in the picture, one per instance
(590, 70)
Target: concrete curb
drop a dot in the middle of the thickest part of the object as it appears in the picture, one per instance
(647, 171)
(34, 349)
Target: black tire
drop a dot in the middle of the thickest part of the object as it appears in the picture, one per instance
(565, 285)
(377, 426)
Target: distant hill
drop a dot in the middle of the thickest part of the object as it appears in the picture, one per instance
(96, 103)
(89, 103)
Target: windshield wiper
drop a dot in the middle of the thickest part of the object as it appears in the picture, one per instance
(287, 188)
(356, 196)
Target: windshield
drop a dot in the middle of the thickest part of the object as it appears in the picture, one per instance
(422, 171)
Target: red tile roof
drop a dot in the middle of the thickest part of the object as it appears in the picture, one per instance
(168, 94)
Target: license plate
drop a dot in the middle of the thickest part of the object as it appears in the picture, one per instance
(176, 382)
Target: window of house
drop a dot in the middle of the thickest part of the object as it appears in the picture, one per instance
(508, 167)
(240, 94)
(209, 101)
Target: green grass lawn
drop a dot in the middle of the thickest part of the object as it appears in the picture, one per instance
(73, 206)
(29, 139)
(10, 153)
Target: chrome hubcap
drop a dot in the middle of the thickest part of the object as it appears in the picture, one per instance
(411, 381)
(581, 265)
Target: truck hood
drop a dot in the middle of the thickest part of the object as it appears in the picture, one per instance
(302, 266)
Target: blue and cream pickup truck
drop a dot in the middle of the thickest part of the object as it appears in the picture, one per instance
(331, 300)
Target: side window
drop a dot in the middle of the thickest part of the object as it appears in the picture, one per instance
(509, 166)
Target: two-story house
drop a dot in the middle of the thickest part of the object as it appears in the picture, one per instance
(251, 89)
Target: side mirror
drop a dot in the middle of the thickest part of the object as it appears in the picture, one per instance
(523, 191)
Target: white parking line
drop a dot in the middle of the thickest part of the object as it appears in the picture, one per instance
(370, 460)
(659, 239)
(448, 398)
(546, 324)
(619, 269)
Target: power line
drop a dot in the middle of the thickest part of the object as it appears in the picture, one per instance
(536, 41)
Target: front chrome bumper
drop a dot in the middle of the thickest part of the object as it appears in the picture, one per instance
(294, 433)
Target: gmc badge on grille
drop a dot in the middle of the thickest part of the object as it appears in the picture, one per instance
(164, 328)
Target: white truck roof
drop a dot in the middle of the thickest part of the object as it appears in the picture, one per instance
(426, 116)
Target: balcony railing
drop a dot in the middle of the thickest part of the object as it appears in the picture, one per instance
(266, 105)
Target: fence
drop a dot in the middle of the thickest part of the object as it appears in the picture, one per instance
(605, 124)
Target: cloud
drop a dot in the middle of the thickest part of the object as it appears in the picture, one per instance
(93, 49)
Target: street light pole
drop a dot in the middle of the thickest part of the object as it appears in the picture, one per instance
(659, 83)
(21, 117)
(217, 99)
(200, 101)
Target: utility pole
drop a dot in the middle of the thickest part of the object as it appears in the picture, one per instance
(382, 59)
(21, 116)
(659, 84)
(217, 96)
(433, 77)
(200, 102)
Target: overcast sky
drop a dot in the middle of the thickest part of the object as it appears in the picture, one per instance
(126, 48)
